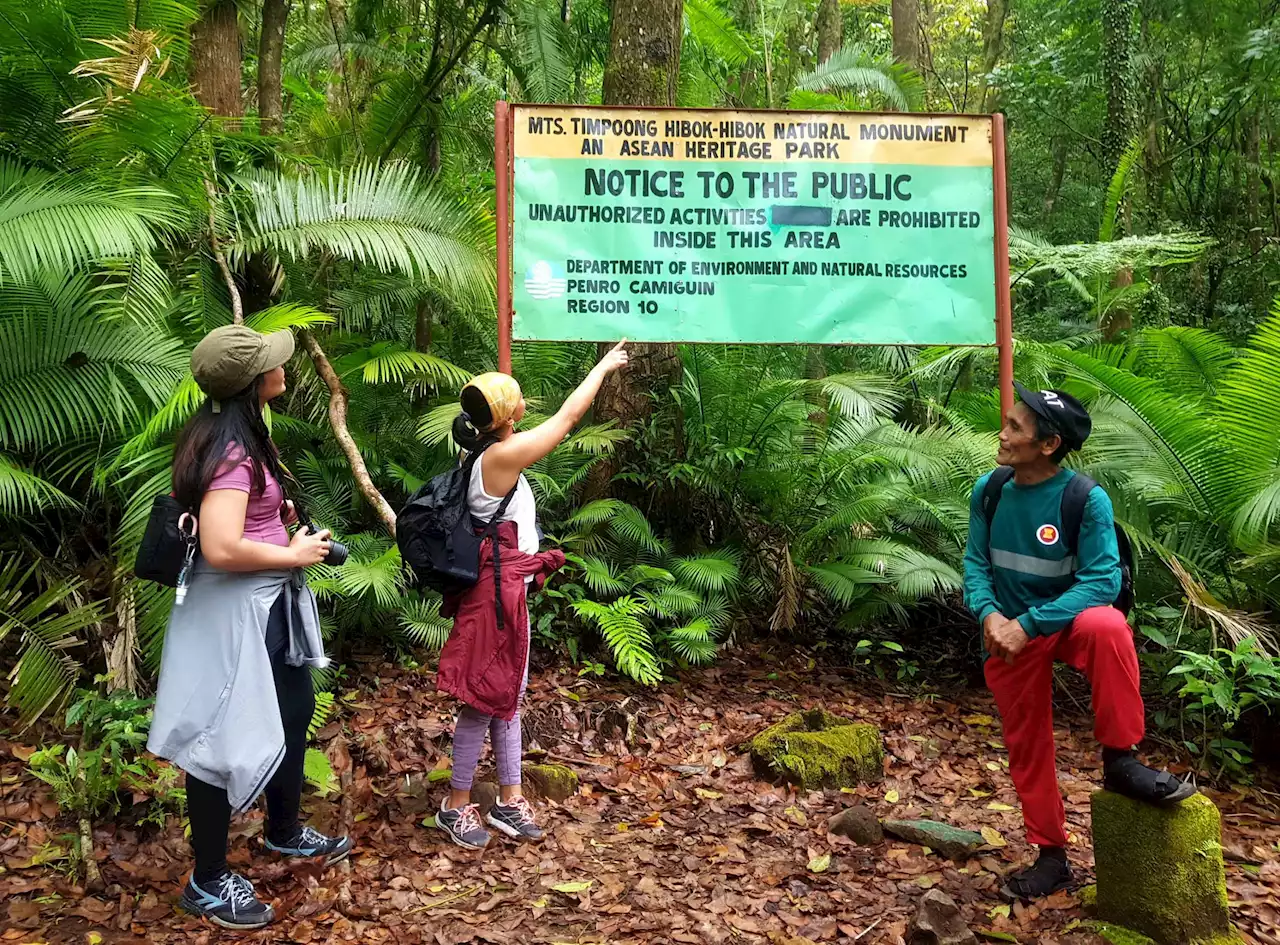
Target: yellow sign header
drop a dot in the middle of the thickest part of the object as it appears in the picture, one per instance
(593, 134)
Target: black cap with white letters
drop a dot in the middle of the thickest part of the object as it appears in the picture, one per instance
(1065, 415)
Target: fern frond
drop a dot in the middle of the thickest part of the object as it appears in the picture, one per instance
(1119, 186)
(421, 623)
(60, 223)
(627, 638)
(50, 625)
(714, 572)
(392, 363)
(24, 493)
(601, 577)
(856, 69)
(379, 215)
(694, 642)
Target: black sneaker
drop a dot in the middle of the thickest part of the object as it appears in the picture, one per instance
(228, 901)
(462, 824)
(309, 842)
(1046, 876)
(515, 819)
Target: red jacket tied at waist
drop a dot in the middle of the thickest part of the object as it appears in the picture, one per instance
(483, 664)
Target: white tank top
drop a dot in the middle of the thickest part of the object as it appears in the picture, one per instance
(521, 509)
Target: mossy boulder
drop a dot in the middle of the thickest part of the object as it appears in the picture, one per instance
(550, 782)
(1160, 870)
(817, 750)
(1117, 935)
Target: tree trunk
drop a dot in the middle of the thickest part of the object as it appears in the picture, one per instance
(1253, 192)
(906, 32)
(336, 17)
(644, 52)
(643, 69)
(216, 60)
(1055, 180)
(423, 325)
(830, 29)
(1157, 176)
(275, 13)
(338, 399)
(1118, 75)
(992, 48)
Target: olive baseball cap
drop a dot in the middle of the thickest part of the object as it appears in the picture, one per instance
(227, 359)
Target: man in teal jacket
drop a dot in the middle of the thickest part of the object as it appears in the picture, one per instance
(1037, 603)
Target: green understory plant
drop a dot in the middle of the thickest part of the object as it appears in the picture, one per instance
(1224, 688)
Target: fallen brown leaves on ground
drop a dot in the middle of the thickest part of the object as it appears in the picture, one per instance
(669, 839)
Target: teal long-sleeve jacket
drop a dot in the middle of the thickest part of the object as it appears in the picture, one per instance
(1020, 566)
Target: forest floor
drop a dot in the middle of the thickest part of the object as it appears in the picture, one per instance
(676, 838)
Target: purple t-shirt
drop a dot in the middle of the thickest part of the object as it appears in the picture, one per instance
(262, 520)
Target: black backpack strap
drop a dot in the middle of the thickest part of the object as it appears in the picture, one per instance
(1075, 498)
(490, 530)
(992, 490)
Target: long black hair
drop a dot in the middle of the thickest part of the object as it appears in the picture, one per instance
(468, 426)
(203, 445)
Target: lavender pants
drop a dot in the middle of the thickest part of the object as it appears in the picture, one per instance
(468, 742)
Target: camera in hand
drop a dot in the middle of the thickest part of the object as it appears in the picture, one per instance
(337, 555)
(338, 552)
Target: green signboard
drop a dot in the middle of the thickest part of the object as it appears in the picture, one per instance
(704, 226)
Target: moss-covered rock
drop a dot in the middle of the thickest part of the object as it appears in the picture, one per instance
(816, 750)
(1118, 935)
(1089, 898)
(551, 782)
(1160, 870)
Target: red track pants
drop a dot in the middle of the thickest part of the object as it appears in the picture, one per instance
(1100, 644)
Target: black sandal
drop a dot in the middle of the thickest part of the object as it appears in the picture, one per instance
(1046, 876)
(1133, 779)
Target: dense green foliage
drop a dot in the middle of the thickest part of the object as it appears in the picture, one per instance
(770, 490)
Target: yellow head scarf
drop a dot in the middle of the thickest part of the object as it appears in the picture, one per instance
(502, 393)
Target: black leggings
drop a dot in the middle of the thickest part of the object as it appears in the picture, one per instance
(207, 806)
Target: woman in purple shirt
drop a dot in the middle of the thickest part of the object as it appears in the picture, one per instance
(226, 467)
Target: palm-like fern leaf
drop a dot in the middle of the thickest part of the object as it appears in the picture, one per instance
(382, 215)
(60, 223)
(390, 362)
(714, 29)
(694, 642)
(65, 371)
(713, 572)
(421, 623)
(856, 69)
(50, 624)
(287, 316)
(600, 575)
(863, 397)
(541, 47)
(22, 492)
(1189, 360)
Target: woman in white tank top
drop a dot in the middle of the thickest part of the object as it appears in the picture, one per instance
(492, 405)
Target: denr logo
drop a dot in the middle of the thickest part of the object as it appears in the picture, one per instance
(544, 280)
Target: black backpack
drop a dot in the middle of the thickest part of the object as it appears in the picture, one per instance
(440, 539)
(1074, 499)
(169, 546)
